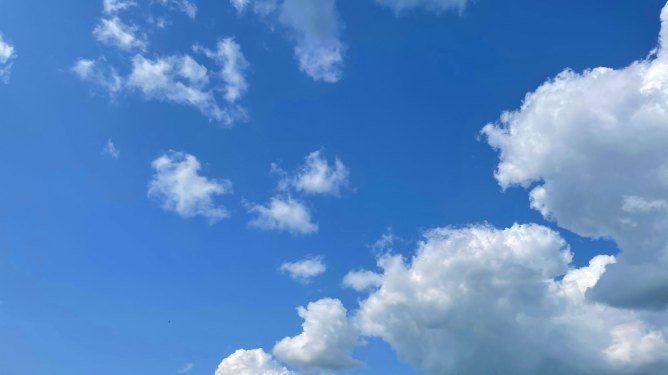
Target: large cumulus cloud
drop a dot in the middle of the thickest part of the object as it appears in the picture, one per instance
(593, 149)
(479, 300)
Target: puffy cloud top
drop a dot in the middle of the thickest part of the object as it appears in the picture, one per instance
(593, 149)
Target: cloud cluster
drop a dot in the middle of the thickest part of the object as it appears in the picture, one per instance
(304, 270)
(7, 55)
(593, 149)
(178, 187)
(285, 213)
(177, 78)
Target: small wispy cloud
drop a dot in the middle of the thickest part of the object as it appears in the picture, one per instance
(110, 149)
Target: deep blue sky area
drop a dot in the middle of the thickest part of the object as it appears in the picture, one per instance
(96, 278)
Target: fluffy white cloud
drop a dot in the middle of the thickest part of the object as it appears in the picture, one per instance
(479, 300)
(593, 149)
(304, 270)
(7, 54)
(327, 340)
(178, 187)
(114, 32)
(233, 64)
(316, 176)
(316, 28)
(251, 362)
(362, 280)
(99, 73)
(111, 150)
(283, 214)
(437, 6)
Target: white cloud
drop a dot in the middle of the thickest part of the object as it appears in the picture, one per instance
(385, 242)
(240, 5)
(185, 6)
(316, 176)
(7, 55)
(283, 214)
(327, 340)
(479, 300)
(437, 6)
(111, 150)
(362, 280)
(186, 368)
(178, 187)
(99, 73)
(233, 63)
(116, 33)
(316, 28)
(251, 362)
(593, 148)
(180, 79)
(115, 6)
(304, 270)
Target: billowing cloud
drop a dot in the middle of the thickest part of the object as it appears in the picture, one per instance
(283, 214)
(178, 187)
(479, 300)
(593, 149)
(304, 270)
(437, 6)
(327, 340)
(114, 32)
(251, 362)
(316, 176)
(7, 55)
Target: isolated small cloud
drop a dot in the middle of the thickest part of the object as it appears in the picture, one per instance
(113, 32)
(7, 55)
(251, 362)
(304, 270)
(326, 342)
(178, 187)
(283, 214)
(186, 368)
(111, 150)
(316, 176)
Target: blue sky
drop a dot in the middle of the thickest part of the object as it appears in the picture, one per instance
(100, 272)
